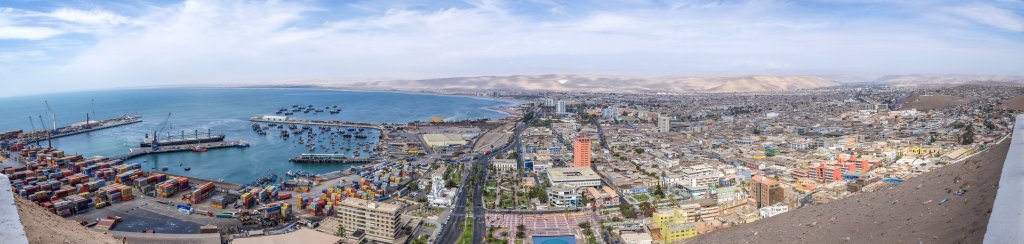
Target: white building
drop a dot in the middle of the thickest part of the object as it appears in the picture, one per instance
(769, 211)
(439, 196)
(505, 164)
(574, 176)
(664, 123)
(563, 196)
(560, 107)
(699, 176)
(274, 118)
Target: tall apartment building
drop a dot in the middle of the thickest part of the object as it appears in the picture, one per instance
(378, 221)
(581, 151)
(560, 107)
(765, 191)
(664, 123)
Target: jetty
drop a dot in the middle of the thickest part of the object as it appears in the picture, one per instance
(84, 127)
(329, 158)
(135, 152)
(285, 120)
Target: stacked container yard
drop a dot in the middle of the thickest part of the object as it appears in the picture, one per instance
(255, 194)
(217, 202)
(247, 200)
(169, 187)
(201, 193)
(270, 193)
(69, 185)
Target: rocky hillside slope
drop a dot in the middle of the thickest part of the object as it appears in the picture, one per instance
(41, 226)
(909, 212)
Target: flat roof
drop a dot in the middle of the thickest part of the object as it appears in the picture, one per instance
(379, 206)
(303, 235)
(572, 174)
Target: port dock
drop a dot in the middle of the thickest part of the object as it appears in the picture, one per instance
(329, 158)
(135, 152)
(85, 127)
(285, 120)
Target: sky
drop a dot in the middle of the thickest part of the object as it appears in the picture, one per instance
(57, 46)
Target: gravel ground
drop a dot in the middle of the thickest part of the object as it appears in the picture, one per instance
(917, 216)
(41, 226)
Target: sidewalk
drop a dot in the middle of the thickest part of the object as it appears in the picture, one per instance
(1007, 217)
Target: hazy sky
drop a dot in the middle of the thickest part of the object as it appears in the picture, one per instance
(71, 45)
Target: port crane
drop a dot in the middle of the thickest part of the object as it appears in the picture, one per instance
(159, 129)
(92, 112)
(34, 135)
(53, 119)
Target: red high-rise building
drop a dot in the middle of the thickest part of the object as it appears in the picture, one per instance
(581, 151)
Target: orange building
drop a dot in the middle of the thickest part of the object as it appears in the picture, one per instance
(765, 191)
(581, 151)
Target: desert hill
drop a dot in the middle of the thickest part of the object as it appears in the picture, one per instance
(598, 83)
(909, 212)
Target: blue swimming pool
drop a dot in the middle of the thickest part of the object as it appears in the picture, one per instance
(554, 239)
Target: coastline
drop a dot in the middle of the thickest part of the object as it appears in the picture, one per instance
(508, 102)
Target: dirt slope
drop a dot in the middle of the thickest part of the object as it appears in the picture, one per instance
(930, 102)
(41, 226)
(1015, 103)
(873, 218)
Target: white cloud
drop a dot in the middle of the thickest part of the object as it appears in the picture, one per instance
(93, 17)
(992, 16)
(203, 42)
(28, 32)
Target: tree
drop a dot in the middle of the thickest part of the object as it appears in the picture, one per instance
(450, 184)
(627, 210)
(341, 231)
(520, 231)
(414, 186)
(968, 136)
(647, 209)
(639, 151)
(658, 191)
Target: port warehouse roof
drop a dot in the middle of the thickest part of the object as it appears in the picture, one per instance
(1005, 223)
(11, 230)
(303, 235)
(443, 140)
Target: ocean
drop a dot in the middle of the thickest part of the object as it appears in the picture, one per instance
(226, 111)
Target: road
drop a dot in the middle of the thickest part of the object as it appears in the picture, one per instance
(452, 228)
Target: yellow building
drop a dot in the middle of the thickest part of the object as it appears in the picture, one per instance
(673, 226)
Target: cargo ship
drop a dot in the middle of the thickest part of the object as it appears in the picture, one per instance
(185, 141)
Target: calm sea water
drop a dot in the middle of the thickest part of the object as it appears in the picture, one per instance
(226, 111)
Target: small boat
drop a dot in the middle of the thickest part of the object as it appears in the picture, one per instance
(199, 149)
(164, 168)
(188, 168)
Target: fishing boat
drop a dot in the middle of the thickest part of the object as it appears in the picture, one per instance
(188, 168)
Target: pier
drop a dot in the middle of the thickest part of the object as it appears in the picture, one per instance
(86, 127)
(135, 152)
(285, 120)
(328, 158)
